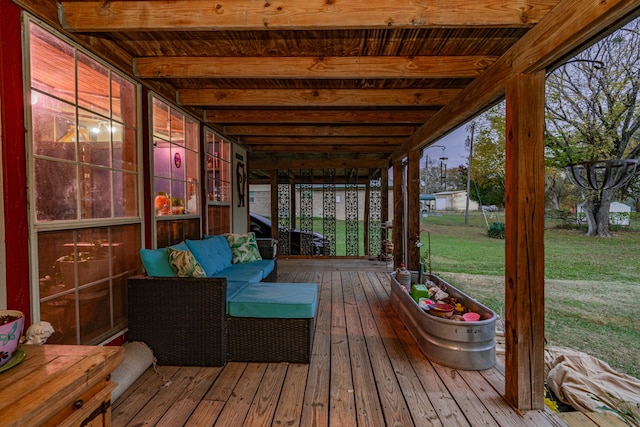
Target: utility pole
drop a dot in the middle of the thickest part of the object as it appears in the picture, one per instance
(470, 140)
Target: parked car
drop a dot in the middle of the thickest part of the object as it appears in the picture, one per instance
(319, 245)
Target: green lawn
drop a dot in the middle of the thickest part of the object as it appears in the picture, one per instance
(592, 287)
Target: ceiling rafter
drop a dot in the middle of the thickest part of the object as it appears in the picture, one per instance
(352, 67)
(316, 97)
(277, 116)
(204, 15)
(320, 130)
(318, 140)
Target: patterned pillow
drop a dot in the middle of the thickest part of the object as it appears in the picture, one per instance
(244, 247)
(184, 263)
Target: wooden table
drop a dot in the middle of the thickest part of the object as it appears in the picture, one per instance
(59, 385)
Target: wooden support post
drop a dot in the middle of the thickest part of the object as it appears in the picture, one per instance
(524, 241)
(413, 209)
(398, 214)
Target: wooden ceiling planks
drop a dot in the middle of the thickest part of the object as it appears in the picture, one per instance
(357, 62)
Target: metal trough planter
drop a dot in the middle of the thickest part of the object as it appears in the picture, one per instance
(453, 343)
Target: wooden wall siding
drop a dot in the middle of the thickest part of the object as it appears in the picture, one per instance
(524, 241)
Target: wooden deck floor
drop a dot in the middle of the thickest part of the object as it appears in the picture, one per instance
(366, 370)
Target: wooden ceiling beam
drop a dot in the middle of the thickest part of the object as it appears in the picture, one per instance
(565, 29)
(297, 130)
(406, 116)
(314, 140)
(319, 164)
(204, 15)
(316, 97)
(323, 148)
(348, 67)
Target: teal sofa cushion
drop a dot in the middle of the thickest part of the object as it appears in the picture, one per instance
(208, 254)
(156, 262)
(223, 247)
(266, 265)
(275, 300)
(241, 273)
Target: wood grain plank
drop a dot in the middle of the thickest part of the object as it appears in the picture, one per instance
(422, 411)
(414, 116)
(166, 397)
(239, 402)
(316, 97)
(290, 67)
(368, 404)
(288, 411)
(319, 130)
(315, 408)
(263, 406)
(205, 413)
(341, 400)
(524, 244)
(190, 396)
(141, 393)
(162, 15)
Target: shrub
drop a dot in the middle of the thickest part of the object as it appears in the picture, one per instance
(496, 230)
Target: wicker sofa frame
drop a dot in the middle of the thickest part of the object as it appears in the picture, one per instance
(184, 321)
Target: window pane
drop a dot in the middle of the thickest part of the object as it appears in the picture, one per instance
(93, 85)
(95, 139)
(56, 190)
(52, 64)
(192, 133)
(177, 127)
(178, 192)
(162, 158)
(96, 193)
(192, 204)
(125, 194)
(125, 148)
(53, 127)
(177, 162)
(160, 119)
(123, 101)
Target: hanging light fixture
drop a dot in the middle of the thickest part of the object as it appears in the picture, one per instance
(602, 174)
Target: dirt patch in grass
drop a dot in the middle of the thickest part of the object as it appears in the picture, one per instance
(595, 317)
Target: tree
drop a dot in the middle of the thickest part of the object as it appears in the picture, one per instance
(488, 163)
(593, 112)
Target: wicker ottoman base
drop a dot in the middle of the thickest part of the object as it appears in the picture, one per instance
(253, 339)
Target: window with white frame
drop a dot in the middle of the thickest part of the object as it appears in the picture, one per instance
(84, 179)
(176, 173)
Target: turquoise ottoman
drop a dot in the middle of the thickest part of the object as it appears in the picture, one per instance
(272, 322)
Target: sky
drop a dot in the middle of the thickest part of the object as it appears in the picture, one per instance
(454, 148)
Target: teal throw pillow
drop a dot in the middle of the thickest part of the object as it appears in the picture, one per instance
(156, 262)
